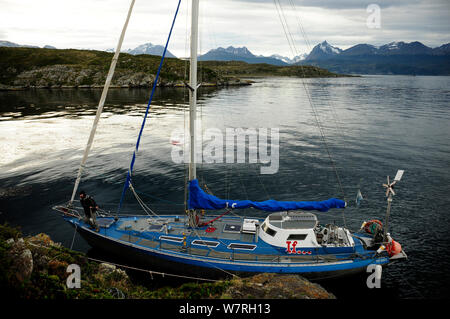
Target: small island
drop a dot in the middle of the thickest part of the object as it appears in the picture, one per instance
(35, 68)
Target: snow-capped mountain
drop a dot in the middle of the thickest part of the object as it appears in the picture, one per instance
(226, 54)
(396, 57)
(244, 52)
(405, 48)
(149, 48)
(442, 50)
(287, 60)
(361, 49)
(326, 51)
(323, 50)
(238, 54)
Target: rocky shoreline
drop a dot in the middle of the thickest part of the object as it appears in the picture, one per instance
(66, 77)
(35, 267)
(170, 85)
(34, 68)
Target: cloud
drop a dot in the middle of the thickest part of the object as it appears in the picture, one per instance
(338, 4)
(252, 23)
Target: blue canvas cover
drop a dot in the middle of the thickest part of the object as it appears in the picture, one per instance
(198, 199)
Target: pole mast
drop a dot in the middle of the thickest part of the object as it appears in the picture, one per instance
(193, 101)
(193, 90)
(101, 103)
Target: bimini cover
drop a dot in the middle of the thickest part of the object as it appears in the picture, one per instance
(198, 199)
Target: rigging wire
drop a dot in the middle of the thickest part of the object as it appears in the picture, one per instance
(328, 97)
(142, 203)
(151, 272)
(185, 99)
(308, 46)
(155, 82)
(74, 234)
(295, 52)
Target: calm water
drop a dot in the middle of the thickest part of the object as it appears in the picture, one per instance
(373, 125)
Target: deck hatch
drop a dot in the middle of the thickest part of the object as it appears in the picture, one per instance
(232, 228)
(105, 222)
(155, 227)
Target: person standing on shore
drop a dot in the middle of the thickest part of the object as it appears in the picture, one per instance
(90, 209)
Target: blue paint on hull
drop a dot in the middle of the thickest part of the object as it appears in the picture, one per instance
(352, 259)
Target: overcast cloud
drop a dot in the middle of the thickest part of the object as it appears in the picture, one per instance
(96, 24)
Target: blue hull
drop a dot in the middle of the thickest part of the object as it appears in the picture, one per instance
(176, 262)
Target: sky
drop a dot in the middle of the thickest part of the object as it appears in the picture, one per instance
(256, 24)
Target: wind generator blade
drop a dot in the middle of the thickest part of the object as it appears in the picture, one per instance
(359, 197)
(399, 175)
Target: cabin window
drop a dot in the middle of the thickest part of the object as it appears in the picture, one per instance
(170, 238)
(241, 246)
(297, 237)
(268, 230)
(205, 243)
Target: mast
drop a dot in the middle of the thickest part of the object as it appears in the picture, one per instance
(193, 102)
(101, 103)
(193, 90)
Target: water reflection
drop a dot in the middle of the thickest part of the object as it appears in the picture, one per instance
(32, 104)
(374, 126)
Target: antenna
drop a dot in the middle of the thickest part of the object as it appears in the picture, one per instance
(389, 193)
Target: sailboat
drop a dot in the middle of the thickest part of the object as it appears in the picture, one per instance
(288, 240)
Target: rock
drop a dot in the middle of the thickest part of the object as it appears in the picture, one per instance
(58, 268)
(41, 261)
(105, 268)
(122, 273)
(274, 286)
(20, 243)
(24, 265)
(22, 260)
(42, 239)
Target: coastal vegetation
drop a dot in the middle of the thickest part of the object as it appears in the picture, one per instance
(23, 68)
(35, 267)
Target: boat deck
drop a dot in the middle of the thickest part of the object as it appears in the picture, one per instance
(222, 239)
(224, 228)
(166, 242)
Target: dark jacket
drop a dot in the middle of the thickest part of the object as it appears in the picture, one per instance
(87, 202)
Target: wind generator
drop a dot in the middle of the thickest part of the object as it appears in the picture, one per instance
(389, 193)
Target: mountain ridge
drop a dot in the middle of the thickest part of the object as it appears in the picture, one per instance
(238, 54)
(325, 50)
(397, 57)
